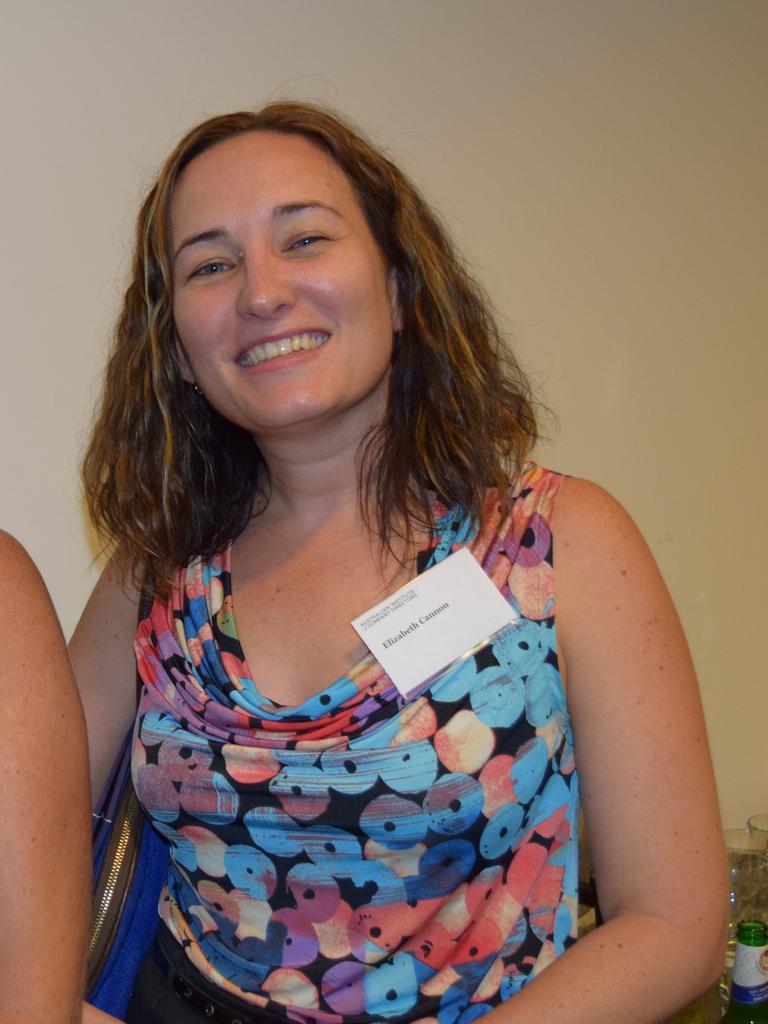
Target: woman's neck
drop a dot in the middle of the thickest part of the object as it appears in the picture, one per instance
(310, 478)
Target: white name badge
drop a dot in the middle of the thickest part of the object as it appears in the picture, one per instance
(437, 618)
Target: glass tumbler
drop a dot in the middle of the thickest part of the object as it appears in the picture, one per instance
(758, 826)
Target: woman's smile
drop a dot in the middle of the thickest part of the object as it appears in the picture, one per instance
(274, 348)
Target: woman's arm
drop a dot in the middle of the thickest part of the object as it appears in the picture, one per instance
(45, 835)
(101, 651)
(646, 783)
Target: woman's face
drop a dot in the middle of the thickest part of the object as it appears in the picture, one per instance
(283, 305)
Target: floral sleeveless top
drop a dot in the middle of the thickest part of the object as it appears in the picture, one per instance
(368, 856)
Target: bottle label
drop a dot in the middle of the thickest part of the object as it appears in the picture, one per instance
(750, 975)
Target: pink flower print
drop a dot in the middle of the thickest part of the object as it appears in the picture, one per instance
(317, 899)
(544, 899)
(249, 765)
(464, 743)
(181, 761)
(300, 944)
(481, 940)
(290, 987)
(499, 574)
(342, 988)
(195, 651)
(203, 793)
(157, 792)
(479, 892)
(530, 542)
(333, 934)
(147, 663)
(375, 931)
(220, 906)
(533, 589)
(525, 867)
(238, 675)
(495, 779)
(418, 721)
(434, 945)
(302, 790)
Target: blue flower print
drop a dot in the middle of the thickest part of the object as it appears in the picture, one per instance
(528, 769)
(499, 698)
(250, 871)
(442, 869)
(453, 803)
(394, 822)
(501, 832)
(391, 988)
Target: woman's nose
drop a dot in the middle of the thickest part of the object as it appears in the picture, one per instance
(266, 290)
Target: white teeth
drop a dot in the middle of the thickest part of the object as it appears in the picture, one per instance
(282, 347)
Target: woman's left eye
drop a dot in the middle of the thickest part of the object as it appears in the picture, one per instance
(209, 269)
(306, 240)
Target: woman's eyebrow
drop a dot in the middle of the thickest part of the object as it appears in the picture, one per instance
(213, 235)
(285, 209)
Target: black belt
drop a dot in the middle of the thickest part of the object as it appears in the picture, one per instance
(196, 991)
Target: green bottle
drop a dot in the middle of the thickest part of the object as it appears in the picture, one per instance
(749, 988)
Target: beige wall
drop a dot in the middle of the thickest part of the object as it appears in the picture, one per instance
(603, 163)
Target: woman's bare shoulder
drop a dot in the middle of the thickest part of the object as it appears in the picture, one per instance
(606, 573)
(24, 600)
(14, 556)
(588, 513)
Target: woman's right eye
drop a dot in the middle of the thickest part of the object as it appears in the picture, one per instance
(210, 269)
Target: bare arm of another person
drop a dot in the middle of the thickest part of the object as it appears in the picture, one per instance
(646, 781)
(101, 651)
(45, 836)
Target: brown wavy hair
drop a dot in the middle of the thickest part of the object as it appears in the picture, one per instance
(167, 478)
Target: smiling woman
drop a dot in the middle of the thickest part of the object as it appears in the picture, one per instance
(283, 305)
(308, 405)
